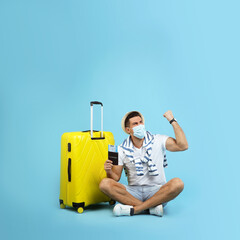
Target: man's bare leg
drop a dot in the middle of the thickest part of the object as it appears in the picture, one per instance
(118, 192)
(166, 193)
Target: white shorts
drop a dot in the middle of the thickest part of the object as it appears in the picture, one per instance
(143, 193)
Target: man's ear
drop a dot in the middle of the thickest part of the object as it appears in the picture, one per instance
(127, 130)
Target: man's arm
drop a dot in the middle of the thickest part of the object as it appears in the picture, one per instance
(113, 171)
(180, 143)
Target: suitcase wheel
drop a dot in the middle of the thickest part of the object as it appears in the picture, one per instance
(112, 202)
(80, 210)
(62, 206)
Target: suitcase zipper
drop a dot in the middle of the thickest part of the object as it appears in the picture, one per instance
(69, 169)
(69, 149)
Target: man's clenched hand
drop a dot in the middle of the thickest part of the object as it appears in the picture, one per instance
(168, 115)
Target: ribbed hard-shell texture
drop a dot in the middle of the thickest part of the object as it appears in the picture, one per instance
(87, 167)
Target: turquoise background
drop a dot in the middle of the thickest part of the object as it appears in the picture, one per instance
(151, 56)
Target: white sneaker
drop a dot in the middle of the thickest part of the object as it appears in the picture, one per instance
(158, 210)
(123, 210)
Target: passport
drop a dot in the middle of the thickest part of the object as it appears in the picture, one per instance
(113, 154)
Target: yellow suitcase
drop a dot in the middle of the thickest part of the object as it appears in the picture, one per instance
(82, 166)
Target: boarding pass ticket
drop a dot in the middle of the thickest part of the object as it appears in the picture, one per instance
(113, 148)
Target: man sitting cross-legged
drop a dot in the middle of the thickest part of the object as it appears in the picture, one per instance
(143, 156)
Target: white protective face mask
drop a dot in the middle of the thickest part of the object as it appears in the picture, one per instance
(139, 131)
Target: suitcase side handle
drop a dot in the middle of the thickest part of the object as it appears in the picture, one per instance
(91, 123)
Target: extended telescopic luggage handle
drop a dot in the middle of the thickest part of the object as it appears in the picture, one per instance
(91, 104)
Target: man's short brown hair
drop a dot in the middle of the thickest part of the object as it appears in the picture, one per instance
(131, 115)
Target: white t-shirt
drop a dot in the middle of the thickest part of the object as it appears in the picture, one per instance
(158, 151)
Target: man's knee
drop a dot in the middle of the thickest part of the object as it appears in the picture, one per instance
(105, 184)
(177, 185)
